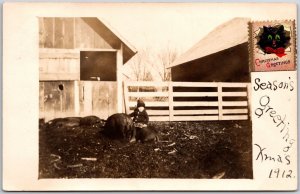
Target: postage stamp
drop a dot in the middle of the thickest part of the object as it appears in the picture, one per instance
(272, 45)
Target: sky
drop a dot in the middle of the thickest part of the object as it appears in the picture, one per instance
(155, 26)
(181, 25)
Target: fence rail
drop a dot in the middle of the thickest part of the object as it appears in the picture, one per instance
(190, 101)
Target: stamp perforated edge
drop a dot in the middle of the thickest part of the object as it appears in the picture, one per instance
(251, 42)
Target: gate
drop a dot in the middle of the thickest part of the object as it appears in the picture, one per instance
(59, 99)
(190, 101)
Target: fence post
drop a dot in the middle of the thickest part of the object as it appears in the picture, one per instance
(42, 100)
(220, 106)
(126, 99)
(76, 98)
(171, 112)
(249, 95)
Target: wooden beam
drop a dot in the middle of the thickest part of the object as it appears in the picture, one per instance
(220, 99)
(196, 112)
(76, 98)
(235, 103)
(234, 94)
(235, 117)
(53, 38)
(235, 111)
(148, 94)
(234, 85)
(195, 94)
(184, 118)
(249, 92)
(195, 84)
(88, 97)
(158, 112)
(147, 83)
(151, 104)
(126, 98)
(171, 101)
(196, 103)
(59, 55)
(74, 33)
(195, 118)
(119, 79)
(58, 76)
(159, 118)
(41, 99)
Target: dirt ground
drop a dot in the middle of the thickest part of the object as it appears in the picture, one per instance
(206, 149)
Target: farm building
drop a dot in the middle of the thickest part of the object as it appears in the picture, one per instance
(80, 68)
(221, 56)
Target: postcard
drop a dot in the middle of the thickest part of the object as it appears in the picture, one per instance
(149, 96)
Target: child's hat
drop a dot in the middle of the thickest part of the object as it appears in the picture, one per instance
(140, 103)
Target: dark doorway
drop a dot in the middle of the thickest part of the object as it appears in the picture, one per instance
(98, 65)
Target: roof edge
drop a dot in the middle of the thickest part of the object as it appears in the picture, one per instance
(217, 28)
(122, 39)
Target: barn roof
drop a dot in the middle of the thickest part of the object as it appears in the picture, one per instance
(111, 36)
(227, 35)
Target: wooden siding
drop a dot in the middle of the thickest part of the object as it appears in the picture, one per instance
(69, 33)
(93, 98)
(104, 99)
(61, 40)
(86, 37)
(97, 98)
(59, 64)
(55, 102)
(230, 65)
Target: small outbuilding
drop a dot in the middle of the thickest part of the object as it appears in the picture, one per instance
(221, 56)
(80, 67)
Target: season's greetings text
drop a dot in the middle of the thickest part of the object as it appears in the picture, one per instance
(280, 124)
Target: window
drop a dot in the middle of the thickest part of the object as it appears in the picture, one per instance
(98, 65)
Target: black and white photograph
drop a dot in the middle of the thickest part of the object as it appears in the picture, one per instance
(149, 96)
(111, 110)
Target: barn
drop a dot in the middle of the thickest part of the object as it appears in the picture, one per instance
(211, 80)
(80, 67)
(221, 56)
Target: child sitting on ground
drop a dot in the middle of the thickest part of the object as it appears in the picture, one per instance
(140, 118)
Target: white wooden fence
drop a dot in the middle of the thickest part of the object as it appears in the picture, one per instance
(162, 102)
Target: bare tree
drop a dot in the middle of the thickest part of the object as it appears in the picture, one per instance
(139, 67)
(164, 59)
(148, 63)
(136, 66)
